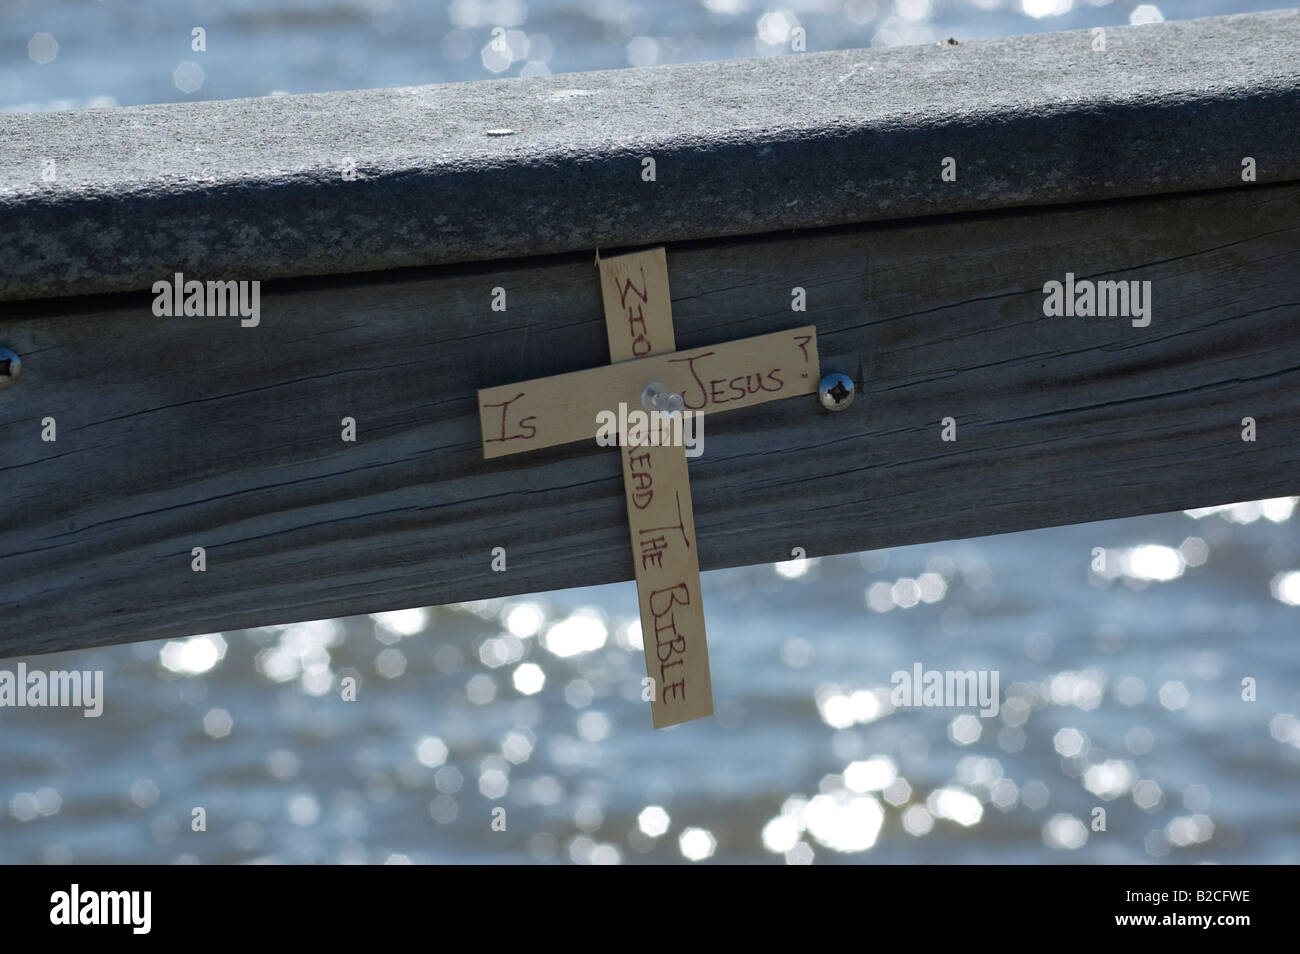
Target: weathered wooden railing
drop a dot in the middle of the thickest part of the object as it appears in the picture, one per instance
(384, 221)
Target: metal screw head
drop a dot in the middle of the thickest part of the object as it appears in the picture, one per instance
(836, 391)
(10, 365)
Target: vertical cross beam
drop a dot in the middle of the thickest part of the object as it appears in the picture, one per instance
(639, 321)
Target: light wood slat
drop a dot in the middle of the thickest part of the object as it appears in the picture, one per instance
(656, 485)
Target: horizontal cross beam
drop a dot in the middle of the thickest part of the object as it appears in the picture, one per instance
(726, 376)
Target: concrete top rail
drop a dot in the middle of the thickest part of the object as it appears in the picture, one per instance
(256, 188)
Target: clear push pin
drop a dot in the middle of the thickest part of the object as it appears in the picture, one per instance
(656, 397)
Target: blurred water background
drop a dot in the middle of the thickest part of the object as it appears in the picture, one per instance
(71, 54)
(1121, 686)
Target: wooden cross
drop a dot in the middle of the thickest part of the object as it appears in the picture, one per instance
(564, 408)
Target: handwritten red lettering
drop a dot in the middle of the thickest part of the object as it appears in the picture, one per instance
(704, 394)
(652, 551)
(716, 391)
(636, 328)
(644, 480)
(666, 649)
(653, 547)
(523, 425)
(627, 286)
(635, 319)
(672, 592)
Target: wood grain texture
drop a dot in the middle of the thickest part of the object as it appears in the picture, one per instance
(628, 285)
(259, 188)
(175, 433)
